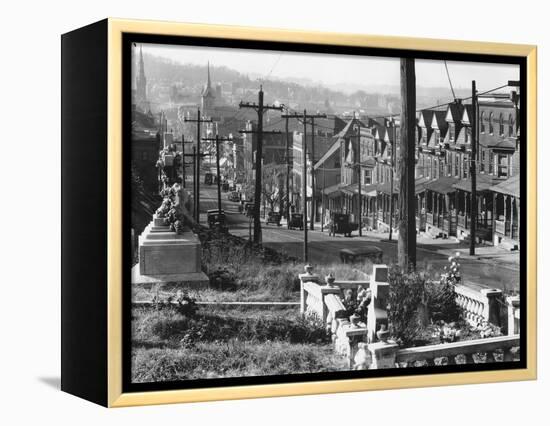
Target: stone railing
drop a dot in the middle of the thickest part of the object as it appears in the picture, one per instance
(325, 300)
(479, 306)
(386, 354)
(513, 312)
(361, 342)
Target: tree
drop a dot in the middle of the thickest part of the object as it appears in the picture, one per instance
(272, 184)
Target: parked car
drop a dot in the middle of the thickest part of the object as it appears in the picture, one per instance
(340, 224)
(274, 217)
(216, 219)
(296, 221)
(233, 196)
(372, 253)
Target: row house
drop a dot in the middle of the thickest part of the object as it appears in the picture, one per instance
(444, 197)
(442, 171)
(338, 170)
(322, 148)
(371, 166)
(438, 168)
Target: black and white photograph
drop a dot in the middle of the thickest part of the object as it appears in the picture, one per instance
(297, 213)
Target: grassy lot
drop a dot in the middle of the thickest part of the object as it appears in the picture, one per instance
(253, 281)
(227, 342)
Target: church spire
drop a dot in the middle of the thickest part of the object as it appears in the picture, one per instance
(141, 83)
(208, 80)
(141, 66)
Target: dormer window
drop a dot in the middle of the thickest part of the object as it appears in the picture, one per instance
(501, 125)
(491, 129)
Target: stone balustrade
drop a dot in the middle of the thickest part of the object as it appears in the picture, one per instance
(479, 306)
(325, 301)
(359, 344)
(513, 313)
(492, 349)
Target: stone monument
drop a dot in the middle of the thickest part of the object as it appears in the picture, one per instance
(168, 250)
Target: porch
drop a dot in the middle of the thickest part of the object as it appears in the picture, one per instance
(506, 212)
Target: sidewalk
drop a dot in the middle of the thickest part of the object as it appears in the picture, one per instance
(446, 247)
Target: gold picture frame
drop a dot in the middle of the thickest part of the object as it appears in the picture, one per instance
(116, 28)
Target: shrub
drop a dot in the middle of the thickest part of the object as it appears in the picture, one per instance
(441, 300)
(441, 296)
(406, 295)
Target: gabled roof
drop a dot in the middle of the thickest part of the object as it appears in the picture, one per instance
(425, 118)
(467, 114)
(438, 120)
(348, 129)
(332, 150)
(454, 112)
(461, 138)
(379, 132)
(350, 158)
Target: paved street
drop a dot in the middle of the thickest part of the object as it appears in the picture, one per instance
(490, 269)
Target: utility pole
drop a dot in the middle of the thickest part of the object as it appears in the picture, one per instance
(260, 109)
(323, 201)
(198, 120)
(473, 203)
(304, 186)
(217, 141)
(288, 170)
(406, 243)
(393, 142)
(304, 118)
(313, 206)
(194, 156)
(182, 160)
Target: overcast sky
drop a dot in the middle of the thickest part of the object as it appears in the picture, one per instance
(339, 69)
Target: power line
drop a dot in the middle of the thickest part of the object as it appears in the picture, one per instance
(449, 77)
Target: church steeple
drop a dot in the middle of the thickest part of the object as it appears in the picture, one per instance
(141, 84)
(141, 66)
(208, 83)
(208, 96)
